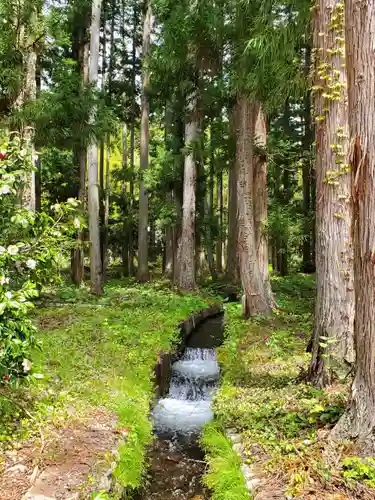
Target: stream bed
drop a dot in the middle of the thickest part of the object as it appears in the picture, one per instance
(176, 461)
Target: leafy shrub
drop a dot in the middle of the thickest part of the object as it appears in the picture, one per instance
(360, 470)
(31, 246)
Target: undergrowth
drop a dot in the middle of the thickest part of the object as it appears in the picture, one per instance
(283, 421)
(100, 353)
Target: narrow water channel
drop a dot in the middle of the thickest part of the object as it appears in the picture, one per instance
(176, 461)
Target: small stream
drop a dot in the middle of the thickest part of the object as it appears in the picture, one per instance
(176, 461)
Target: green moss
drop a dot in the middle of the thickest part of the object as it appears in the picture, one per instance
(224, 476)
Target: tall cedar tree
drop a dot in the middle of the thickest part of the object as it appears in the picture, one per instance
(256, 299)
(359, 421)
(93, 187)
(333, 346)
(143, 271)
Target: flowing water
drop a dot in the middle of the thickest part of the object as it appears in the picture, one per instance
(177, 462)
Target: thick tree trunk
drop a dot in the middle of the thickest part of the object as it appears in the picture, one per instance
(187, 241)
(359, 421)
(256, 298)
(333, 347)
(143, 271)
(260, 194)
(93, 187)
(232, 269)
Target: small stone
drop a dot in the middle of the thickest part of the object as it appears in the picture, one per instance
(246, 471)
(17, 469)
(252, 484)
(238, 448)
(236, 438)
(106, 481)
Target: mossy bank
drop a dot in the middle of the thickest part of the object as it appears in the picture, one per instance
(100, 354)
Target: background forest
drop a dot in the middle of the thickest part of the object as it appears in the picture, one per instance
(211, 147)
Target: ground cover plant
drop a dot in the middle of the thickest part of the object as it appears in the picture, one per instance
(284, 421)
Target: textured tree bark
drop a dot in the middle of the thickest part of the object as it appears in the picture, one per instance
(260, 194)
(143, 271)
(28, 93)
(256, 299)
(93, 186)
(187, 240)
(232, 269)
(359, 421)
(333, 345)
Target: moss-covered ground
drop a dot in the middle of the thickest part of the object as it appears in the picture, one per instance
(284, 422)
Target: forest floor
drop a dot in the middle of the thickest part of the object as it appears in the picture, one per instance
(94, 389)
(283, 423)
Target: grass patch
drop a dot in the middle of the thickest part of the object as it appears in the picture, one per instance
(100, 353)
(224, 476)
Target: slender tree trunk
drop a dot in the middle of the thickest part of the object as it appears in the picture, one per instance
(308, 265)
(209, 214)
(260, 194)
(333, 348)
(187, 241)
(106, 208)
(106, 181)
(168, 267)
(274, 256)
(93, 187)
(132, 140)
(78, 270)
(220, 209)
(38, 162)
(143, 271)
(256, 299)
(359, 421)
(28, 93)
(102, 152)
(232, 270)
(169, 246)
(126, 225)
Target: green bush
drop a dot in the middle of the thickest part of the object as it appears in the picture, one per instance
(31, 247)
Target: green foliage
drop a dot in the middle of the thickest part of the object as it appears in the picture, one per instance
(224, 476)
(360, 470)
(31, 247)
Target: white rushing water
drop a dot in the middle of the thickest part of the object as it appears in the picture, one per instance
(188, 405)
